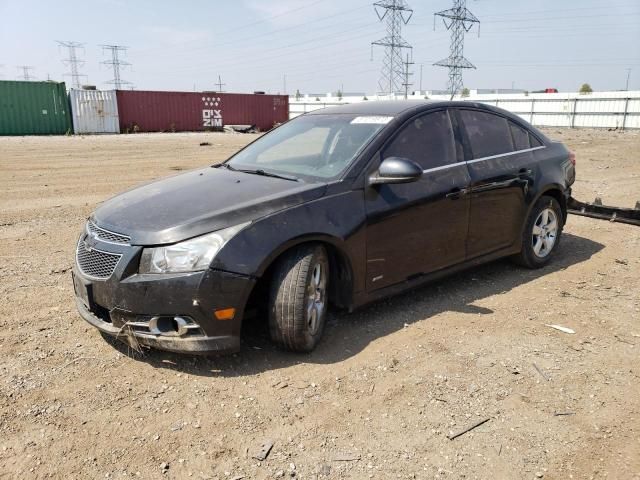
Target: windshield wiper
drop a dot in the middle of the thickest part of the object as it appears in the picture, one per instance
(257, 171)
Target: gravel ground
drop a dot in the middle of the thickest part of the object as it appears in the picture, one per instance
(384, 389)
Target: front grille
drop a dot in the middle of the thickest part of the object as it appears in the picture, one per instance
(96, 263)
(106, 235)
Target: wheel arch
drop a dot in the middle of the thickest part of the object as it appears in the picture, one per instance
(341, 273)
(552, 190)
(557, 192)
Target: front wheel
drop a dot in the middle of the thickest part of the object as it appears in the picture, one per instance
(541, 233)
(298, 298)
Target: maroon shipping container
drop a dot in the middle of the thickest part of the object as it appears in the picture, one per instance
(146, 111)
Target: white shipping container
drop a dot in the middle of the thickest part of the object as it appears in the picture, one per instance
(94, 111)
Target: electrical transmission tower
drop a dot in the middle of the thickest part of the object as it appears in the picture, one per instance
(116, 63)
(459, 20)
(73, 62)
(407, 75)
(26, 76)
(396, 13)
(220, 84)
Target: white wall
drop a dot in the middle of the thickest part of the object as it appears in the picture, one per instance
(572, 109)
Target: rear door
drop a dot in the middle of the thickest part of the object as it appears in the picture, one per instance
(499, 154)
(419, 227)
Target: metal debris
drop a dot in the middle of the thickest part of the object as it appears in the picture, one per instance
(467, 429)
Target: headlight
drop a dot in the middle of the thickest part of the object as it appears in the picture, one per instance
(188, 256)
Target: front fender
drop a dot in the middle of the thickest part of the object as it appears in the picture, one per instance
(337, 220)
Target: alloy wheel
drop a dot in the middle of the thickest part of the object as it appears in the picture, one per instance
(545, 233)
(316, 298)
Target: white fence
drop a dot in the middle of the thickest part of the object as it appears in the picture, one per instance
(596, 110)
(94, 111)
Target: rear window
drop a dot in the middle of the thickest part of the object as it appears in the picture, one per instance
(488, 134)
(520, 137)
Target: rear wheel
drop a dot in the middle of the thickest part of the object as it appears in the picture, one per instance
(298, 298)
(541, 234)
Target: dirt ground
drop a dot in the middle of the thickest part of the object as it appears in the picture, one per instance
(383, 390)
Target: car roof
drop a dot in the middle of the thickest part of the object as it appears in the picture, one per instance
(376, 107)
(401, 108)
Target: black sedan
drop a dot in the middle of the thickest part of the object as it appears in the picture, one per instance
(341, 206)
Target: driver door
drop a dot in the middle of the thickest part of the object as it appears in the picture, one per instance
(420, 227)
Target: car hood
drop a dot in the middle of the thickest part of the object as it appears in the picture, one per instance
(198, 202)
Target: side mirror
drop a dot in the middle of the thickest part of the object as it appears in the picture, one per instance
(396, 170)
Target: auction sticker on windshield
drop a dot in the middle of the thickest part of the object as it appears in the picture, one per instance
(372, 120)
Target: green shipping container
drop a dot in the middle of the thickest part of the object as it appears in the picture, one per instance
(34, 108)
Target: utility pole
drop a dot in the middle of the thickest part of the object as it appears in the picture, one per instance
(406, 83)
(73, 62)
(220, 84)
(26, 76)
(458, 20)
(116, 63)
(284, 84)
(396, 13)
(421, 67)
(628, 77)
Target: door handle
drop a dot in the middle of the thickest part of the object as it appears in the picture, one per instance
(525, 172)
(456, 193)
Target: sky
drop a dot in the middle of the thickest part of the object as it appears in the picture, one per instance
(321, 45)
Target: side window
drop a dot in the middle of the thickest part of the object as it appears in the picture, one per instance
(488, 134)
(520, 136)
(427, 140)
(534, 141)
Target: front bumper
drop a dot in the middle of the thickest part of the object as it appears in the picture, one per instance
(195, 345)
(127, 304)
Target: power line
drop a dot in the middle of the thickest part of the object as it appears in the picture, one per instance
(234, 30)
(458, 20)
(25, 75)
(396, 13)
(116, 63)
(572, 17)
(73, 62)
(251, 63)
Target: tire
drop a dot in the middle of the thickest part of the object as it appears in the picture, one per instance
(298, 298)
(541, 234)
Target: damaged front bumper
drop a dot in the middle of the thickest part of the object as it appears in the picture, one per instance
(167, 312)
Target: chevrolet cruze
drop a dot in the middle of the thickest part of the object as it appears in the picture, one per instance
(340, 206)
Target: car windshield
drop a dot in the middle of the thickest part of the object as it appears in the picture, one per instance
(320, 146)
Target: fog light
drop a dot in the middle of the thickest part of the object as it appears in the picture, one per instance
(168, 326)
(225, 314)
